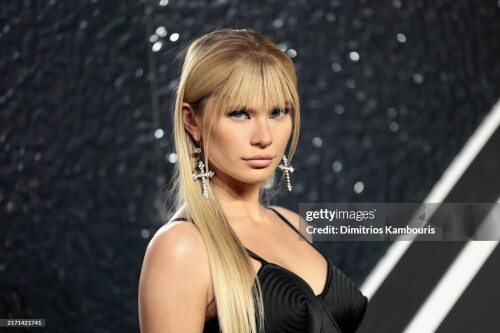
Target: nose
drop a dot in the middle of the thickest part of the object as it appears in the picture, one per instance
(262, 135)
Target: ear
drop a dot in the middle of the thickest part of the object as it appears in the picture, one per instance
(191, 121)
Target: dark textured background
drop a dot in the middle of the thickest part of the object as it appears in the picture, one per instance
(85, 85)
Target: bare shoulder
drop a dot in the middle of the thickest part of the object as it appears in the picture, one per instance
(295, 219)
(175, 248)
(175, 280)
(177, 241)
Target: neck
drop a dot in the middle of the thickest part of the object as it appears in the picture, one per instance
(239, 202)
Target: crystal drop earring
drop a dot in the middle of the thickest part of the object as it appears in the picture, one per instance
(203, 174)
(287, 169)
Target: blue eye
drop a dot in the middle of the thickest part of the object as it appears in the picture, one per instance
(240, 114)
(279, 112)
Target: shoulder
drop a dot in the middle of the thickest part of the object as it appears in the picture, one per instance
(176, 240)
(295, 219)
(175, 276)
(176, 246)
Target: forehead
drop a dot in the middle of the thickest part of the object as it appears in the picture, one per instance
(256, 95)
(258, 98)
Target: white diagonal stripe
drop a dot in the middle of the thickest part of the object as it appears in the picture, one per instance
(451, 286)
(438, 193)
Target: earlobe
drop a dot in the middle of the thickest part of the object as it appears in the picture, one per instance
(190, 121)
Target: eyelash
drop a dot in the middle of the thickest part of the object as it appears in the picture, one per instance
(239, 113)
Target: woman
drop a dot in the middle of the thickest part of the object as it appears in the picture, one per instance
(225, 261)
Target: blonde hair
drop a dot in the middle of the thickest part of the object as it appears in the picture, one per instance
(228, 64)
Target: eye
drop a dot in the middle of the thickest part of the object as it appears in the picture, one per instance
(239, 114)
(279, 112)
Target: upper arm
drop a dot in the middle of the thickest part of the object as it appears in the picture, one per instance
(175, 281)
(295, 219)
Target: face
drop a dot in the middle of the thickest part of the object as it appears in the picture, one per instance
(247, 144)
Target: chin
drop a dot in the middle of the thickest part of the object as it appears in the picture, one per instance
(257, 180)
(252, 176)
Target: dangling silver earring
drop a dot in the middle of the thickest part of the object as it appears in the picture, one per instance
(203, 174)
(287, 169)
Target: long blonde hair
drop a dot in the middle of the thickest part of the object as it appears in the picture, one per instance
(228, 64)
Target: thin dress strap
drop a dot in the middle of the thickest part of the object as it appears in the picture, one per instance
(289, 224)
(295, 229)
(255, 256)
(180, 219)
(250, 253)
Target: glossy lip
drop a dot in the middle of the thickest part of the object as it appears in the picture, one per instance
(259, 161)
(259, 157)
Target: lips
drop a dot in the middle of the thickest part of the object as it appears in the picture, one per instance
(259, 157)
(259, 161)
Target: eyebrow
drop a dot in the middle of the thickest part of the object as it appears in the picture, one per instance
(249, 109)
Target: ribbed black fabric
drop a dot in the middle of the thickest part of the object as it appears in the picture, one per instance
(290, 305)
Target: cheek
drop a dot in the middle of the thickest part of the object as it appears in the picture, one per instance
(284, 132)
(228, 137)
(226, 142)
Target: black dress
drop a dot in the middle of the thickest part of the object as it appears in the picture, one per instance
(290, 305)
